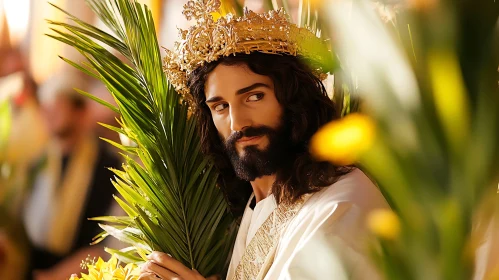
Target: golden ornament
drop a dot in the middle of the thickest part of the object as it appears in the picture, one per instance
(210, 39)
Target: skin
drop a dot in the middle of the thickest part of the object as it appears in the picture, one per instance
(65, 123)
(238, 98)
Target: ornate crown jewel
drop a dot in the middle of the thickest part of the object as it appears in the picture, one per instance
(208, 40)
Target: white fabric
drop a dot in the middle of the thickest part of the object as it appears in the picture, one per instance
(251, 222)
(259, 214)
(53, 210)
(334, 218)
(486, 234)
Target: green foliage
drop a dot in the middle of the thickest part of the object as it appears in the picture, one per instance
(168, 188)
(5, 125)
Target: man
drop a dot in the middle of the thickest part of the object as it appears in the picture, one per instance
(71, 183)
(257, 111)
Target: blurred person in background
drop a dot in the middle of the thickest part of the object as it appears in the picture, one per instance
(70, 183)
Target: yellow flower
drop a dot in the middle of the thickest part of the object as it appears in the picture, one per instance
(130, 271)
(343, 141)
(110, 270)
(384, 223)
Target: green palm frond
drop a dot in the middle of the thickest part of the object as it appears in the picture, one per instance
(169, 189)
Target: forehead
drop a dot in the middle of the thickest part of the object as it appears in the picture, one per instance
(226, 80)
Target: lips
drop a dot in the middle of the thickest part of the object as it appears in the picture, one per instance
(248, 139)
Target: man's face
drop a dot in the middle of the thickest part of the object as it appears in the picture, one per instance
(61, 117)
(248, 118)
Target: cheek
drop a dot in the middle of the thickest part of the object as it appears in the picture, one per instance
(222, 127)
(270, 115)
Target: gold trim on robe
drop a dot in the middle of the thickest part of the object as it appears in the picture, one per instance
(259, 254)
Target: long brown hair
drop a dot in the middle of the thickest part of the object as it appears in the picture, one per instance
(306, 106)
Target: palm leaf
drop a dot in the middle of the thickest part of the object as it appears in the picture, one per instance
(168, 188)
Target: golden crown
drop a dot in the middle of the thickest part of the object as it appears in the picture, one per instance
(210, 39)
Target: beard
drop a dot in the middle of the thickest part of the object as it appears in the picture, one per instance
(254, 162)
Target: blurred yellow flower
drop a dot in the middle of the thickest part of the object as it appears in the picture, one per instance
(384, 223)
(343, 141)
(225, 8)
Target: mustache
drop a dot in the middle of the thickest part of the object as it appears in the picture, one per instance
(248, 132)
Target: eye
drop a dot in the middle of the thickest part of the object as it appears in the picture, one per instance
(255, 97)
(219, 107)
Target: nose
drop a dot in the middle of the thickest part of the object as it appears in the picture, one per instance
(238, 119)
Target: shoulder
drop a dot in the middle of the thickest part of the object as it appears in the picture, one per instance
(343, 205)
(354, 188)
(341, 209)
(332, 219)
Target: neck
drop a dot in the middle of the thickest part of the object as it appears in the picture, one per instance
(69, 143)
(262, 186)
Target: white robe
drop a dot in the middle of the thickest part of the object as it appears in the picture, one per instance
(332, 219)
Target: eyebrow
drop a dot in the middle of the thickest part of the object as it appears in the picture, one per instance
(240, 91)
